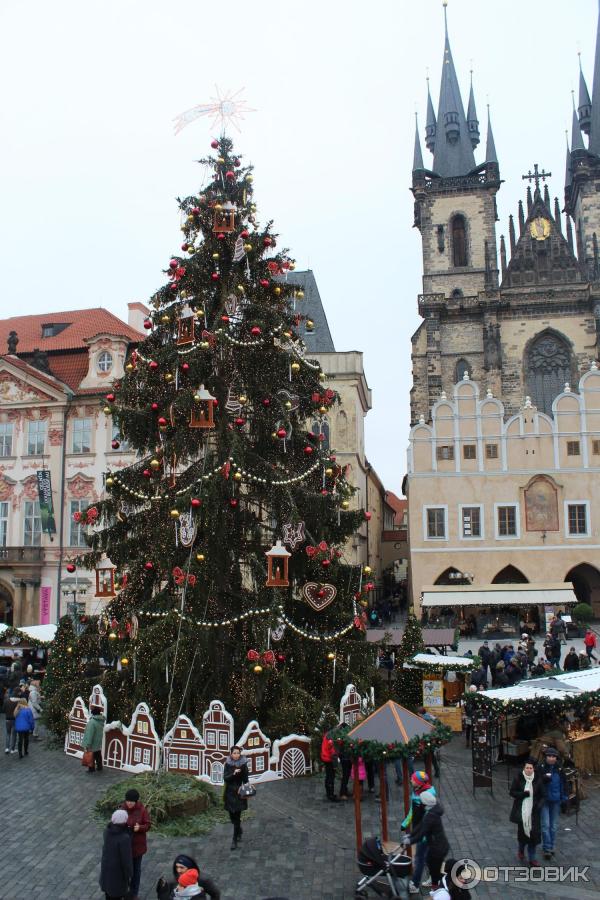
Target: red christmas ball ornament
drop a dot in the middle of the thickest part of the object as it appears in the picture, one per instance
(280, 657)
(185, 367)
(308, 450)
(215, 276)
(267, 241)
(214, 144)
(162, 422)
(255, 330)
(148, 566)
(110, 398)
(173, 264)
(184, 247)
(245, 233)
(195, 210)
(368, 516)
(240, 421)
(113, 623)
(195, 502)
(266, 401)
(147, 473)
(325, 563)
(236, 162)
(220, 236)
(225, 319)
(70, 567)
(153, 364)
(115, 444)
(324, 492)
(233, 502)
(147, 324)
(230, 176)
(252, 655)
(281, 433)
(264, 282)
(154, 407)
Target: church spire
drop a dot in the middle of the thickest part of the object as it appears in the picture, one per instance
(585, 104)
(453, 153)
(430, 124)
(595, 116)
(418, 155)
(567, 165)
(490, 146)
(577, 144)
(472, 121)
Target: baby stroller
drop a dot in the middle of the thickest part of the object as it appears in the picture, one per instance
(387, 876)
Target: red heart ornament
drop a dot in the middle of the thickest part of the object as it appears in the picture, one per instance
(319, 595)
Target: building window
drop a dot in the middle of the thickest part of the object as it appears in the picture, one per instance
(577, 519)
(105, 362)
(116, 436)
(445, 452)
(436, 522)
(469, 451)
(172, 760)
(260, 764)
(507, 521)
(462, 368)
(6, 438)
(459, 241)
(76, 533)
(3, 523)
(223, 739)
(491, 451)
(183, 761)
(82, 435)
(596, 448)
(471, 521)
(250, 765)
(36, 437)
(193, 762)
(146, 757)
(572, 448)
(32, 532)
(211, 738)
(547, 369)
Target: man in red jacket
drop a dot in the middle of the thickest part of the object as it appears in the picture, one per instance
(329, 759)
(138, 822)
(590, 644)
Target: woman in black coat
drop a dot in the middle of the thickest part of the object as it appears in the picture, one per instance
(235, 774)
(116, 867)
(431, 830)
(527, 791)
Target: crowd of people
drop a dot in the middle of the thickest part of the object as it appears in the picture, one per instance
(21, 703)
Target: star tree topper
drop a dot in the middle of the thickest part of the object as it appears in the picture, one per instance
(223, 109)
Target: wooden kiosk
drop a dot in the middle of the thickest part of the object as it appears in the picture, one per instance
(443, 685)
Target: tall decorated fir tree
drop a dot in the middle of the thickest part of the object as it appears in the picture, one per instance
(409, 682)
(228, 533)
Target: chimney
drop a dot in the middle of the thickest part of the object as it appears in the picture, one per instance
(137, 312)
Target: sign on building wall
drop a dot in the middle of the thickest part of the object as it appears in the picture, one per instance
(45, 602)
(44, 483)
(433, 692)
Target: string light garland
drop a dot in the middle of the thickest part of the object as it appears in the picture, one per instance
(376, 751)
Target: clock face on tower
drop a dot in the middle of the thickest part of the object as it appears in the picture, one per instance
(540, 228)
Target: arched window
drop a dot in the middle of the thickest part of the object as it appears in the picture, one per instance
(462, 366)
(547, 369)
(459, 241)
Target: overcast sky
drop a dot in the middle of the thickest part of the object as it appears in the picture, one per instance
(91, 166)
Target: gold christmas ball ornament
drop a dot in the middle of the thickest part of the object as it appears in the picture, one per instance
(300, 295)
(112, 636)
(247, 247)
(345, 504)
(250, 179)
(165, 319)
(199, 313)
(257, 669)
(154, 464)
(277, 291)
(253, 205)
(69, 649)
(321, 376)
(274, 435)
(292, 267)
(200, 557)
(107, 410)
(124, 661)
(364, 603)
(367, 570)
(243, 399)
(322, 410)
(189, 219)
(240, 288)
(129, 367)
(331, 655)
(168, 377)
(217, 206)
(295, 367)
(174, 513)
(288, 404)
(109, 481)
(220, 160)
(205, 346)
(329, 472)
(237, 476)
(215, 256)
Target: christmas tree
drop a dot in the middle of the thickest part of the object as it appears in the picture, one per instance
(228, 533)
(409, 682)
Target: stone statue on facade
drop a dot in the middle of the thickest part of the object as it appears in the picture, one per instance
(12, 341)
(492, 347)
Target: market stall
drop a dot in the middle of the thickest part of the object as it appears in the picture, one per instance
(28, 644)
(443, 685)
(498, 611)
(562, 711)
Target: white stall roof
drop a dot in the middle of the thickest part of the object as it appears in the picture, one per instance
(560, 594)
(587, 680)
(448, 662)
(39, 632)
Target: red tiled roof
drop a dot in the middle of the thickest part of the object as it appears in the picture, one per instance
(398, 505)
(81, 324)
(57, 383)
(70, 368)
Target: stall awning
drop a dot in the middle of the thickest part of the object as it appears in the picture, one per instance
(563, 685)
(39, 632)
(432, 637)
(444, 662)
(560, 594)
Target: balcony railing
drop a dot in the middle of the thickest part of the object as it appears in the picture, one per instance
(21, 554)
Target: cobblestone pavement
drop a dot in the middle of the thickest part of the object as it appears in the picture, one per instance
(296, 845)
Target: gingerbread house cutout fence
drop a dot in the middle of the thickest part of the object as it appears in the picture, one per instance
(186, 748)
(351, 706)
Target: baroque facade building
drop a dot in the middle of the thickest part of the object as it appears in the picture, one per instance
(517, 321)
(52, 380)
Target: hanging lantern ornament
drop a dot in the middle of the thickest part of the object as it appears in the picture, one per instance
(203, 412)
(105, 577)
(185, 327)
(277, 562)
(224, 219)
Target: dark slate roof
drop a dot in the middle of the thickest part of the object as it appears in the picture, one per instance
(576, 135)
(418, 153)
(595, 124)
(451, 159)
(549, 261)
(584, 94)
(391, 723)
(490, 146)
(311, 306)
